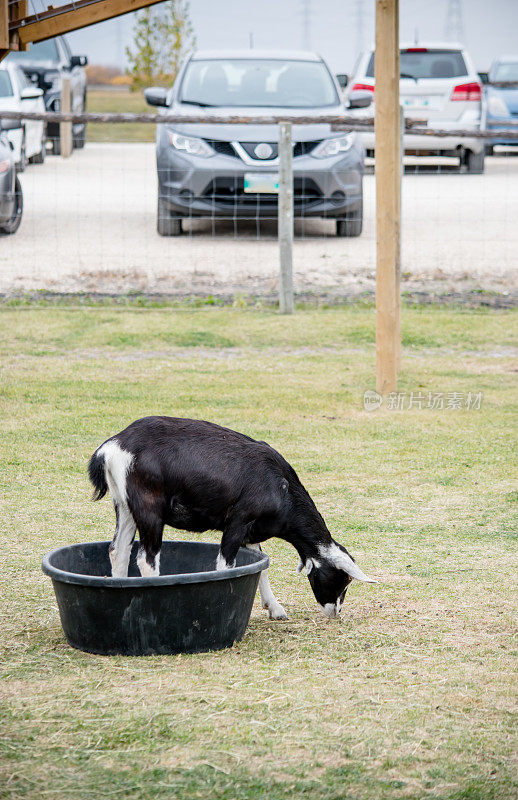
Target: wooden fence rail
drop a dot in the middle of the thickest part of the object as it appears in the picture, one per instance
(413, 126)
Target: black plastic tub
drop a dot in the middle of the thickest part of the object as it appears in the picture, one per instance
(189, 608)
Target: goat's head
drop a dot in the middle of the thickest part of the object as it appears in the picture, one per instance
(330, 573)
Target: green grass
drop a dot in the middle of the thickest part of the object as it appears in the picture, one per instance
(411, 694)
(123, 102)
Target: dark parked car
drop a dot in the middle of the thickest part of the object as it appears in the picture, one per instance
(45, 64)
(229, 170)
(11, 197)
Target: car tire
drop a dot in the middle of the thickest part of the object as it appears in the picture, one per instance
(22, 163)
(79, 139)
(475, 162)
(13, 224)
(352, 224)
(39, 158)
(166, 223)
(56, 146)
(490, 150)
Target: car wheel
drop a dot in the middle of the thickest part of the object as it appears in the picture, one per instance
(166, 224)
(79, 139)
(22, 163)
(475, 162)
(14, 223)
(352, 224)
(490, 150)
(56, 146)
(39, 158)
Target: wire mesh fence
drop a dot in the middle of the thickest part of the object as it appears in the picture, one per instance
(92, 222)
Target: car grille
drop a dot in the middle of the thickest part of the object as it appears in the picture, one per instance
(231, 192)
(249, 148)
(226, 149)
(303, 148)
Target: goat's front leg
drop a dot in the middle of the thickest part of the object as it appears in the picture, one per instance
(231, 541)
(268, 599)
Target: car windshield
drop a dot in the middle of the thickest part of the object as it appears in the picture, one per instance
(6, 90)
(506, 72)
(258, 83)
(42, 51)
(422, 64)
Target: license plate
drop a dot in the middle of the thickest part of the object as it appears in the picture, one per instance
(262, 182)
(421, 102)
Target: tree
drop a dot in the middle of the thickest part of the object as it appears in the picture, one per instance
(162, 36)
(176, 35)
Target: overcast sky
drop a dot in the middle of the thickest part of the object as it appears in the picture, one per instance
(337, 29)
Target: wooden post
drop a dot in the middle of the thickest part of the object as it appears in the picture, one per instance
(65, 128)
(4, 25)
(285, 223)
(398, 265)
(388, 193)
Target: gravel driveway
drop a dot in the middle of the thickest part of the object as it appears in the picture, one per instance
(89, 225)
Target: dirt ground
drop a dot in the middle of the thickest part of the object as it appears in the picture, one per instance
(89, 226)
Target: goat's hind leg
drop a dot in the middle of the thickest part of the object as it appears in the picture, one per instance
(268, 599)
(120, 547)
(150, 528)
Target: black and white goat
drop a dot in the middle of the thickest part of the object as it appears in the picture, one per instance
(198, 476)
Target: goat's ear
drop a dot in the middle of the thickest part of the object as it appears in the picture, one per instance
(300, 566)
(309, 565)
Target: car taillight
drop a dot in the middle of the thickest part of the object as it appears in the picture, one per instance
(362, 87)
(467, 91)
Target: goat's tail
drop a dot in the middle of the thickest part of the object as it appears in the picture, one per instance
(97, 475)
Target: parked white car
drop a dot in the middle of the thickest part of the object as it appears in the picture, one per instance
(17, 93)
(438, 84)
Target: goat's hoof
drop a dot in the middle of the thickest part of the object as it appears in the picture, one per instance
(277, 612)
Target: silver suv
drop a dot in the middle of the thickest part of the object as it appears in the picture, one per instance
(439, 84)
(232, 170)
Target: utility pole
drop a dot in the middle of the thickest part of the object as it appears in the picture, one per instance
(453, 25)
(306, 24)
(360, 14)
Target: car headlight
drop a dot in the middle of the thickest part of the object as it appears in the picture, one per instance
(53, 79)
(332, 147)
(497, 106)
(189, 144)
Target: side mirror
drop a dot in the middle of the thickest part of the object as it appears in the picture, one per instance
(10, 124)
(78, 61)
(484, 77)
(360, 99)
(156, 96)
(342, 79)
(31, 93)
